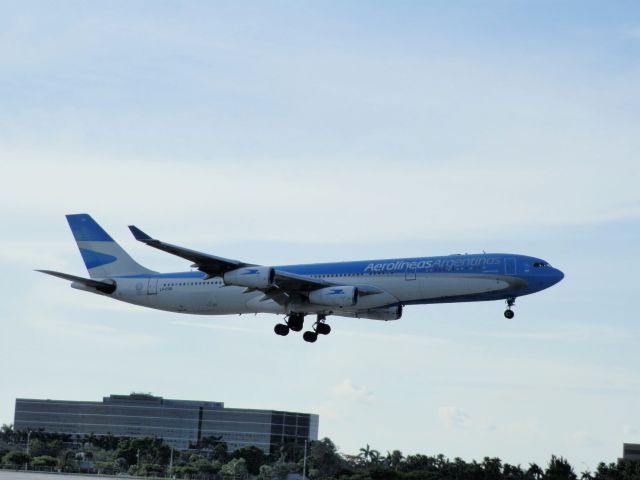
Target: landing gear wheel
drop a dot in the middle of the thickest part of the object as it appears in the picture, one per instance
(508, 313)
(281, 329)
(296, 321)
(310, 336)
(323, 329)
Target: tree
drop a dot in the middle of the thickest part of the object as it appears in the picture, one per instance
(120, 465)
(42, 446)
(394, 459)
(492, 468)
(559, 469)
(513, 472)
(235, 469)
(281, 470)
(16, 458)
(151, 470)
(418, 462)
(266, 473)
(253, 456)
(204, 466)
(216, 445)
(67, 460)
(324, 460)
(7, 433)
(106, 468)
(534, 472)
(46, 461)
(368, 455)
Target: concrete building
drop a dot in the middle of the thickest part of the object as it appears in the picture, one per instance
(180, 423)
(631, 451)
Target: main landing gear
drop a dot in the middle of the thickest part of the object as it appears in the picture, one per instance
(508, 313)
(295, 322)
(319, 328)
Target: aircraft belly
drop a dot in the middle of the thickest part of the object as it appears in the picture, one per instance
(203, 302)
(258, 305)
(438, 286)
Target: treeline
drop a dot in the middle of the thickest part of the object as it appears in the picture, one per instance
(211, 460)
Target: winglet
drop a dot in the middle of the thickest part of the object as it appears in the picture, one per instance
(139, 234)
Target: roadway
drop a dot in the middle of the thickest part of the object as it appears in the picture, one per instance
(13, 475)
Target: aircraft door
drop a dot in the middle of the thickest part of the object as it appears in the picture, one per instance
(410, 274)
(510, 266)
(152, 288)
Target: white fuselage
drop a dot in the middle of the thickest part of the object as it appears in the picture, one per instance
(191, 293)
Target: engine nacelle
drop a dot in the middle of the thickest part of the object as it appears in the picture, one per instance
(252, 277)
(388, 313)
(340, 296)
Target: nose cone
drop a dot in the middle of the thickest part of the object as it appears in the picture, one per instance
(557, 276)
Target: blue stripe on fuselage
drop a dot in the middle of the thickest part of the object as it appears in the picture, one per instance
(482, 263)
(451, 263)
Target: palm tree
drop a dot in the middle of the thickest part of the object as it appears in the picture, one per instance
(394, 459)
(369, 455)
(535, 472)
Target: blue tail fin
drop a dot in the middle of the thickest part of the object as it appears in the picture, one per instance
(102, 256)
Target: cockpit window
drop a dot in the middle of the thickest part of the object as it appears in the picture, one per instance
(541, 264)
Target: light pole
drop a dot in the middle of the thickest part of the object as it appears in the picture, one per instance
(304, 462)
(171, 464)
(26, 464)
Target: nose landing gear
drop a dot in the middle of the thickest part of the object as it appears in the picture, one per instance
(508, 313)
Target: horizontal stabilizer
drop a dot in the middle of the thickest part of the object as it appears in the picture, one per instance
(104, 287)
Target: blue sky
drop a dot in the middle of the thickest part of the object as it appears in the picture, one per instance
(285, 132)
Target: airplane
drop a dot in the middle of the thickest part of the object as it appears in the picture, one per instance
(370, 289)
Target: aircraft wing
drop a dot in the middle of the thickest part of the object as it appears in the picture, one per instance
(285, 283)
(292, 282)
(304, 284)
(209, 264)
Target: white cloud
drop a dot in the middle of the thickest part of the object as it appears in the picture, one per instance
(453, 417)
(243, 205)
(343, 398)
(346, 390)
(583, 437)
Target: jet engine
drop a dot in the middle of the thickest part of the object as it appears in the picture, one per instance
(252, 277)
(335, 296)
